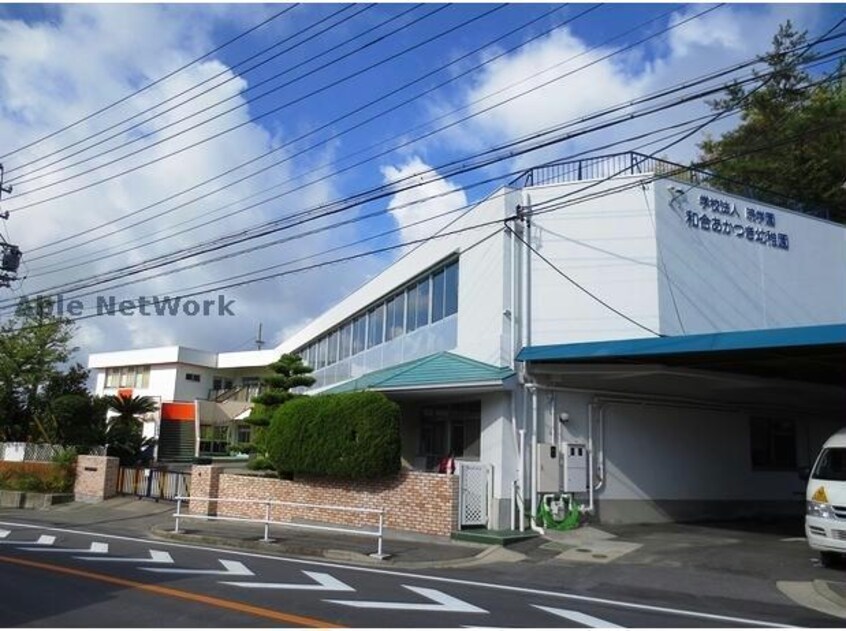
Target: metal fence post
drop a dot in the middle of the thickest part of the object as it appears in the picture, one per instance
(267, 521)
(379, 554)
(178, 511)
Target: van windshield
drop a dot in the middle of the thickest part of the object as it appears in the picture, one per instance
(831, 465)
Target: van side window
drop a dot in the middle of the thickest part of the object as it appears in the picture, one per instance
(773, 444)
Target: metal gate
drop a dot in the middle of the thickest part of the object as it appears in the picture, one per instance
(155, 483)
(473, 484)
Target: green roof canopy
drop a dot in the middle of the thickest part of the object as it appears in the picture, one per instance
(438, 370)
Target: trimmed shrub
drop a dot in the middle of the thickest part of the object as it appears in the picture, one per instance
(351, 436)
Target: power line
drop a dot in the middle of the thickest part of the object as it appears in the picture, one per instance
(149, 206)
(466, 208)
(228, 244)
(152, 83)
(559, 201)
(302, 217)
(380, 98)
(30, 177)
(455, 167)
(580, 286)
(250, 121)
(563, 204)
(213, 179)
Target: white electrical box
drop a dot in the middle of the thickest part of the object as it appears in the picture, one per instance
(548, 468)
(575, 460)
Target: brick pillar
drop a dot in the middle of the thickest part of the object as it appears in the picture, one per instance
(205, 482)
(454, 481)
(96, 478)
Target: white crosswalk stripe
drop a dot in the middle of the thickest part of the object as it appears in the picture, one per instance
(322, 582)
(579, 617)
(156, 556)
(43, 540)
(96, 547)
(232, 568)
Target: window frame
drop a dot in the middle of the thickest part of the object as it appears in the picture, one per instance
(773, 430)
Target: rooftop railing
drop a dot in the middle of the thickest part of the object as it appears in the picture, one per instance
(633, 163)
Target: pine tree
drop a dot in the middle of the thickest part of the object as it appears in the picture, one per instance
(289, 372)
(808, 166)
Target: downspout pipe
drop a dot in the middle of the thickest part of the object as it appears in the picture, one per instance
(533, 521)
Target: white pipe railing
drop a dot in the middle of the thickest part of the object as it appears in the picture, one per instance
(267, 521)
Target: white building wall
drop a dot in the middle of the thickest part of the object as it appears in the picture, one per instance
(655, 453)
(480, 302)
(418, 260)
(719, 281)
(185, 390)
(606, 245)
(499, 448)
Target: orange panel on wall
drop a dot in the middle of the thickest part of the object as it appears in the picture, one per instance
(125, 393)
(177, 411)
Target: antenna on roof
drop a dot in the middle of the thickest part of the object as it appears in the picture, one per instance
(259, 341)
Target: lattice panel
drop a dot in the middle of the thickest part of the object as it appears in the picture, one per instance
(473, 498)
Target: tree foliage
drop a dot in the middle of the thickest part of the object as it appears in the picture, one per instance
(806, 124)
(349, 436)
(35, 346)
(124, 435)
(289, 372)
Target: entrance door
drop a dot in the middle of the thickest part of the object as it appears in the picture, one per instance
(450, 429)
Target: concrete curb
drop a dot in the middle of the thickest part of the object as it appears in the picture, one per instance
(826, 592)
(814, 595)
(490, 554)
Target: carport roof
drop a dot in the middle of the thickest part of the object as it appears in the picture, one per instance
(438, 370)
(813, 353)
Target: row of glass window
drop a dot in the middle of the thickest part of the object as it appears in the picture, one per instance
(426, 300)
(128, 377)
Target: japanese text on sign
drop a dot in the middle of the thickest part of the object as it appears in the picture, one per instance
(730, 222)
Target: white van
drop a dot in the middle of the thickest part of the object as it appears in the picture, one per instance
(825, 500)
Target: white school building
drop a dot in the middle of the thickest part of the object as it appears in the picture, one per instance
(659, 348)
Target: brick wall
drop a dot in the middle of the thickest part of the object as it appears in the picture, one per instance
(205, 480)
(412, 500)
(96, 478)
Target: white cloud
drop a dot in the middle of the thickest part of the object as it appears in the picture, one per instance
(445, 195)
(718, 39)
(53, 73)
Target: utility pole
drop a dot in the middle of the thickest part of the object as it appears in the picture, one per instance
(10, 255)
(259, 341)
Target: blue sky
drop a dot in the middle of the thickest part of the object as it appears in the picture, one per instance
(61, 62)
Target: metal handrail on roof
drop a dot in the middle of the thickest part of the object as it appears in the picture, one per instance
(630, 163)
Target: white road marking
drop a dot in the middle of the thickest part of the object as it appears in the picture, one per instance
(439, 602)
(793, 539)
(622, 604)
(43, 540)
(578, 616)
(97, 547)
(233, 568)
(156, 556)
(322, 582)
(4, 533)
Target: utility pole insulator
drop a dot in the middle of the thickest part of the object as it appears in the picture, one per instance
(10, 255)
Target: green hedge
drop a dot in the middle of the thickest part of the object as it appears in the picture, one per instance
(351, 436)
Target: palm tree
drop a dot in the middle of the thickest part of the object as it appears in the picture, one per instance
(124, 437)
(130, 408)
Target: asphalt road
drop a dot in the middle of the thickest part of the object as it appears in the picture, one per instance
(70, 578)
